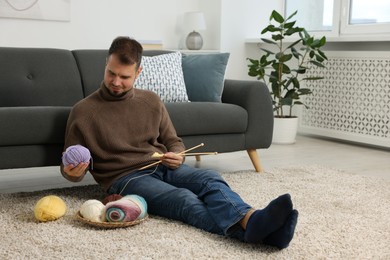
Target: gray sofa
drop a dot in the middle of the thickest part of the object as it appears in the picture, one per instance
(38, 87)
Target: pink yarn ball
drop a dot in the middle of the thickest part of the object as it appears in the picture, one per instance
(75, 154)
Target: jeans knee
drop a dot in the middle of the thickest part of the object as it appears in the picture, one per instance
(186, 198)
(213, 180)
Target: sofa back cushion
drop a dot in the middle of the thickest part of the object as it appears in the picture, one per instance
(204, 76)
(91, 64)
(38, 77)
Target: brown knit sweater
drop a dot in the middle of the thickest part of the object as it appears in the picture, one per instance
(121, 132)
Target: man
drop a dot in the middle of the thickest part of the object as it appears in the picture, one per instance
(123, 126)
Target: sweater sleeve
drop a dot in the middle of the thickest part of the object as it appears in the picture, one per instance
(168, 136)
(73, 136)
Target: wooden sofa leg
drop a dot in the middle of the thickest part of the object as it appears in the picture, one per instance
(197, 157)
(255, 160)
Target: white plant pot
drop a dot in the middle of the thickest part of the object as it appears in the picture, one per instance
(285, 130)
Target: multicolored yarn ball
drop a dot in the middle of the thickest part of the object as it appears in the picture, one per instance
(49, 208)
(76, 154)
(93, 210)
(141, 203)
(128, 208)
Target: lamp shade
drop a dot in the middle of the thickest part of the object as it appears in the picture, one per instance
(194, 21)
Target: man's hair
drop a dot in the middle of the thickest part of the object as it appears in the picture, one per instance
(128, 50)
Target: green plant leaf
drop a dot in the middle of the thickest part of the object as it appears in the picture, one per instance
(316, 44)
(318, 64)
(292, 31)
(289, 25)
(304, 91)
(323, 41)
(271, 28)
(286, 101)
(277, 17)
(301, 70)
(277, 37)
(307, 35)
(253, 61)
(295, 53)
(290, 94)
(268, 41)
(312, 78)
(285, 68)
(319, 58)
(275, 89)
(300, 103)
(267, 29)
(295, 82)
(292, 15)
(293, 44)
(267, 51)
(283, 57)
(263, 59)
(309, 41)
(322, 54)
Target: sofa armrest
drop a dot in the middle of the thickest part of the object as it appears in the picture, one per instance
(255, 98)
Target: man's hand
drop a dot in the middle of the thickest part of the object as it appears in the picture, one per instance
(172, 160)
(78, 171)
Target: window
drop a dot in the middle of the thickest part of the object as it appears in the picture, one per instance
(365, 17)
(369, 12)
(342, 18)
(314, 15)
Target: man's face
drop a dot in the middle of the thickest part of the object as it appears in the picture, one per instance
(119, 78)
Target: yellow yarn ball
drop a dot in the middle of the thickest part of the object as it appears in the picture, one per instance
(49, 208)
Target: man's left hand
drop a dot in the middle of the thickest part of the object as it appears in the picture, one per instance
(172, 160)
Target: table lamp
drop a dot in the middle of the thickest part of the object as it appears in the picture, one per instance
(194, 21)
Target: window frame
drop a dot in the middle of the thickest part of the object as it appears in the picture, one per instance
(343, 31)
(359, 29)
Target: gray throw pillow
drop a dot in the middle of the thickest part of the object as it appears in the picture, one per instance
(204, 76)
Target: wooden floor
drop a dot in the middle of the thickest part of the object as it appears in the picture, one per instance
(307, 150)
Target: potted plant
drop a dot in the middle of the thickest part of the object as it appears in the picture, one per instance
(283, 69)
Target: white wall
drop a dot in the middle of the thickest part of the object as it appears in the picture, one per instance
(94, 23)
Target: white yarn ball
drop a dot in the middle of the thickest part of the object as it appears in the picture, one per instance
(93, 210)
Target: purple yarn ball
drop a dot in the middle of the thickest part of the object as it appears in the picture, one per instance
(75, 154)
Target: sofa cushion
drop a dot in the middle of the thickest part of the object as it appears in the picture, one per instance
(163, 74)
(209, 118)
(91, 64)
(204, 76)
(33, 125)
(38, 77)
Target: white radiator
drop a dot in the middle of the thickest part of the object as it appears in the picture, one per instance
(353, 101)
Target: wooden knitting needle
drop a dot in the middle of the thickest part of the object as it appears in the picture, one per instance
(197, 146)
(193, 154)
(181, 153)
(160, 155)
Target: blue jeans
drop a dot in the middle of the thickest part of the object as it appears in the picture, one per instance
(198, 197)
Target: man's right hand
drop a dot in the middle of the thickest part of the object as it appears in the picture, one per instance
(78, 171)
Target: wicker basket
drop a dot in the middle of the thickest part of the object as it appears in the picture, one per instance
(109, 224)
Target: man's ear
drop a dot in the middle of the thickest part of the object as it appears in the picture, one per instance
(138, 71)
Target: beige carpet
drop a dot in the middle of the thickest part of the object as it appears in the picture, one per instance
(342, 216)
